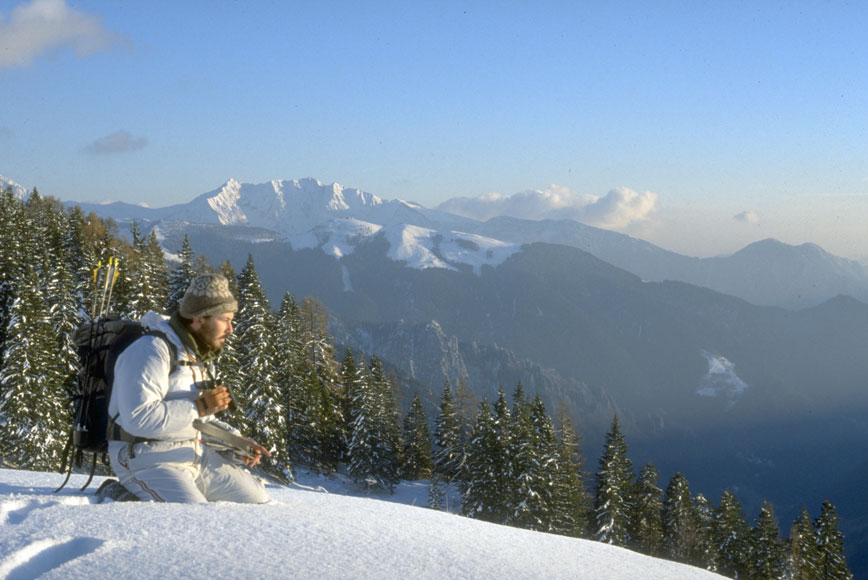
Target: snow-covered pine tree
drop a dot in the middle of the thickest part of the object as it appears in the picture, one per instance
(730, 533)
(371, 461)
(180, 277)
(830, 541)
(417, 442)
(803, 555)
(33, 404)
(448, 452)
(437, 495)
(325, 430)
(521, 465)
(647, 514)
(130, 296)
(534, 491)
(35, 370)
(681, 532)
(706, 554)
(10, 258)
(482, 495)
(292, 376)
(571, 500)
(157, 273)
(767, 552)
(613, 497)
(261, 399)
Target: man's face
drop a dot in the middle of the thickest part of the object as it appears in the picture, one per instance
(213, 330)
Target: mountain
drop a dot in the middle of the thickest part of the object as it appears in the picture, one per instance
(18, 190)
(767, 273)
(284, 206)
(317, 529)
(425, 357)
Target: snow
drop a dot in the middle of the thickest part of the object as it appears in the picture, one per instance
(336, 238)
(18, 190)
(312, 530)
(422, 248)
(720, 380)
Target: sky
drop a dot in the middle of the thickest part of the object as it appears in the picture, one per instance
(698, 126)
(314, 529)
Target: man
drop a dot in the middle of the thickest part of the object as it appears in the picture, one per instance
(159, 390)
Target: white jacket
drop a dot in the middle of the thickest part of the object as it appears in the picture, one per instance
(148, 402)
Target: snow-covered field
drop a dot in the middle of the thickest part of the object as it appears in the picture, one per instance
(315, 529)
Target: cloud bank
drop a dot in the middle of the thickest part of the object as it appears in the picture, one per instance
(619, 209)
(42, 26)
(117, 142)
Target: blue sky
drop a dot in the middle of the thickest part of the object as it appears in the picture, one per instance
(727, 122)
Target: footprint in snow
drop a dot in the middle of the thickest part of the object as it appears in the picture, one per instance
(40, 557)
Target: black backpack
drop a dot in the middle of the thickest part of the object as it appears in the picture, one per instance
(99, 344)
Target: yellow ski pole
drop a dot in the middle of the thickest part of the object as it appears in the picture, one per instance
(114, 279)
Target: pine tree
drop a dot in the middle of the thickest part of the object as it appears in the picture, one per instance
(261, 399)
(830, 541)
(731, 536)
(482, 493)
(33, 405)
(374, 447)
(681, 533)
(647, 518)
(571, 501)
(417, 443)
(803, 556)
(181, 277)
(535, 485)
(767, 553)
(157, 273)
(437, 495)
(706, 555)
(447, 438)
(613, 499)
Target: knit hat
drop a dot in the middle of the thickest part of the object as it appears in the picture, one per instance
(207, 295)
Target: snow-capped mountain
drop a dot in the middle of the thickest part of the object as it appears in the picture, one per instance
(312, 214)
(415, 246)
(17, 189)
(286, 206)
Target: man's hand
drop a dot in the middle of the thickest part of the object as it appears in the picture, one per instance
(258, 452)
(213, 401)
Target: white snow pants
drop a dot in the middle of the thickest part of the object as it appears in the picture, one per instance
(172, 471)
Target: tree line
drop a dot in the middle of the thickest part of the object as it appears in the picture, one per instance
(507, 463)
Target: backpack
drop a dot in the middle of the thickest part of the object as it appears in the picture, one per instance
(99, 344)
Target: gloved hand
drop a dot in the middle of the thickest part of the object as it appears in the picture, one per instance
(213, 401)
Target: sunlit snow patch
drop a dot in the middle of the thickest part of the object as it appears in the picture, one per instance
(422, 248)
(721, 380)
(336, 238)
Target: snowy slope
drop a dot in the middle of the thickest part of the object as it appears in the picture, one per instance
(18, 190)
(305, 532)
(422, 248)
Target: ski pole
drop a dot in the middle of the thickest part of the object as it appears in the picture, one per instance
(114, 279)
(105, 287)
(95, 287)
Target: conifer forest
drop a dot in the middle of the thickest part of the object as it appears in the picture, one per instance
(312, 404)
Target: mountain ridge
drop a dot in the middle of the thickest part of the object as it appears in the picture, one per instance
(767, 272)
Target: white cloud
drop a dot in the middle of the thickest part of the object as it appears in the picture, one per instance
(621, 208)
(117, 142)
(41, 26)
(749, 217)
